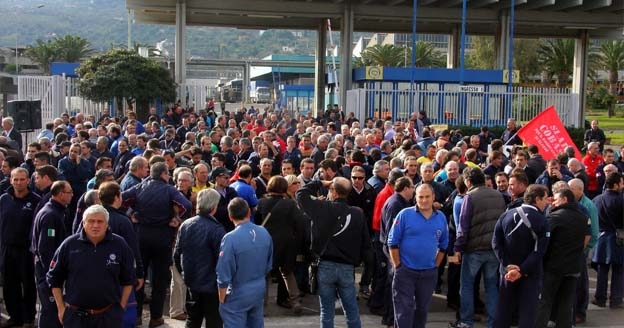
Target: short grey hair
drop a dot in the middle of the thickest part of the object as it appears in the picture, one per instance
(157, 169)
(94, 209)
(9, 120)
(92, 197)
(379, 165)
(187, 172)
(207, 200)
(137, 162)
(228, 141)
(322, 138)
(331, 153)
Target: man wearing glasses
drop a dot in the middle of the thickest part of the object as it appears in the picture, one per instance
(362, 195)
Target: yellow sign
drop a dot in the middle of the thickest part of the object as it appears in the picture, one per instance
(374, 73)
(515, 76)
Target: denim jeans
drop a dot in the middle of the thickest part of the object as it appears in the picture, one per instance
(337, 278)
(471, 263)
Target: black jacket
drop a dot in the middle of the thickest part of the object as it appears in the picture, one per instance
(343, 224)
(287, 227)
(568, 228)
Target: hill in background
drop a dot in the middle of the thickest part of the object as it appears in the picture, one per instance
(104, 23)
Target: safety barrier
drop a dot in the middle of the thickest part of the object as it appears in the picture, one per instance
(451, 104)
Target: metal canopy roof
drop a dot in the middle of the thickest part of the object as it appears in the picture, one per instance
(533, 18)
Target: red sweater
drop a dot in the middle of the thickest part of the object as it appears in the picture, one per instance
(382, 196)
(591, 163)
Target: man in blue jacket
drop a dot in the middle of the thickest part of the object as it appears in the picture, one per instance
(92, 274)
(245, 258)
(198, 269)
(158, 207)
(520, 249)
(17, 211)
(48, 234)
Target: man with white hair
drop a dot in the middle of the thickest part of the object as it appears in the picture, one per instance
(576, 167)
(380, 175)
(201, 232)
(10, 132)
(77, 264)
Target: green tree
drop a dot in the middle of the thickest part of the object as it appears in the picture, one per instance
(124, 74)
(396, 56)
(387, 55)
(525, 57)
(72, 49)
(42, 53)
(482, 55)
(10, 68)
(428, 56)
(557, 58)
(611, 58)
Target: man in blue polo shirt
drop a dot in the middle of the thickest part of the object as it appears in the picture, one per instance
(417, 241)
(244, 189)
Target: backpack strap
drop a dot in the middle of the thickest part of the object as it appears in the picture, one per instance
(527, 223)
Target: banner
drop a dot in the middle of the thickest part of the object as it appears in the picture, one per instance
(547, 132)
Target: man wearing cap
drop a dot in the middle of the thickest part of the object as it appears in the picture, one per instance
(221, 177)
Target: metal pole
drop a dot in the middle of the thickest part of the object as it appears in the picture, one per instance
(413, 64)
(129, 30)
(16, 56)
(463, 44)
(511, 45)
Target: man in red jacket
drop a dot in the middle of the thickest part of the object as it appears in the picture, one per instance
(591, 161)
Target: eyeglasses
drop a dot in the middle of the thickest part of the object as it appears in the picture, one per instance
(357, 178)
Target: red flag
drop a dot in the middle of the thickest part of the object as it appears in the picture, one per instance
(547, 132)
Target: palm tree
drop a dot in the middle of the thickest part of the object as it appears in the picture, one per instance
(428, 56)
(387, 55)
(557, 58)
(42, 53)
(611, 58)
(72, 49)
(396, 56)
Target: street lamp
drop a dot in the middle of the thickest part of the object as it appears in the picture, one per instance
(39, 6)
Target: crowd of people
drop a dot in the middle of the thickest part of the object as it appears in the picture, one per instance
(216, 208)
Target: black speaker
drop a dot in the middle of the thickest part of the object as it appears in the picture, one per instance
(26, 114)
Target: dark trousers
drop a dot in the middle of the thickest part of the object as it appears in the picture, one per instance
(582, 291)
(302, 276)
(389, 307)
(370, 267)
(523, 296)
(48, 315)
(381, 273)
(617, 283)
(559, 288)
(452, 277)
(155, 247)
(441, 270)
(411, 295)
(20, 293)
(203, 306)
(110, 318)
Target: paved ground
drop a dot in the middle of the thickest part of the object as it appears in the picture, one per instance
(439, 315)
